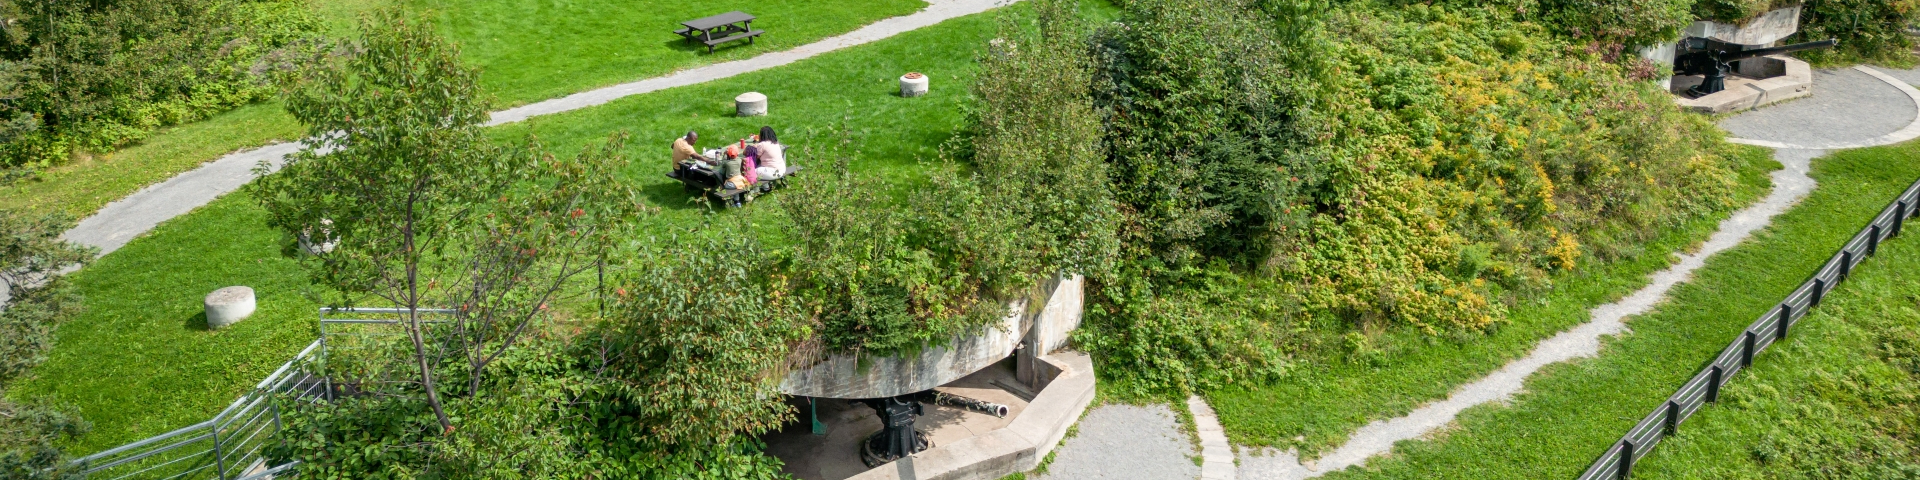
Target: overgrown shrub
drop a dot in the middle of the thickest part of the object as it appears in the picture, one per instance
(1415, 166)
(1023, 199)
(90, 76)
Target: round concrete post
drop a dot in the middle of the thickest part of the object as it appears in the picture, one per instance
(324, 243)
(913, 84)
(750, 104)
(229, 305)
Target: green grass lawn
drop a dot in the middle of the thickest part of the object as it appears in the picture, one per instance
(528, 51)
(1571, 412)
(78, 189)
(1321, 405)
(894, 139)
(140, 361)
(538, 49)
(1840, 400)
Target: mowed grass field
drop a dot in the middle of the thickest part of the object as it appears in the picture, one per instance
(527, 51)
(1841, 399)
(1570, 412)
(139, 362)
(538, 49)
(1316, 408)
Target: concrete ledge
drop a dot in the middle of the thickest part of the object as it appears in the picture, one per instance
(1014, 449)
(1744, 93)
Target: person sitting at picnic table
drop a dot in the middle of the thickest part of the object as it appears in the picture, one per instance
(683, 151)
(730, 169)
(772, 156)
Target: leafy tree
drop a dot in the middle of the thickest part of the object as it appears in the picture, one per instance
(424, 211)
(31, 258)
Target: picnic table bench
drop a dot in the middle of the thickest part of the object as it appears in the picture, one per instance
(706, 181)
(718, 29)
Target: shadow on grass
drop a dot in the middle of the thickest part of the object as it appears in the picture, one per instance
(197, 323)
(679, 45)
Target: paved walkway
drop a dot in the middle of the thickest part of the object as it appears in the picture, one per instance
(1125, 442)
(121, 221)
(1850, 108)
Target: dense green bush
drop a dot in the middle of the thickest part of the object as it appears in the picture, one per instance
(1413, 166)
(1023, 199)
(89, 76)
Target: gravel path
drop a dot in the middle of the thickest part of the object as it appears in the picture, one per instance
(123, 220)
(1849, 107)
(1125, 442)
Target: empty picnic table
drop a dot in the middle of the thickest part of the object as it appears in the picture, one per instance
(718, 29)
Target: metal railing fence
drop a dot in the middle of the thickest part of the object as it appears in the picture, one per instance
(229, 446)
(226, 447)
(1704, 387)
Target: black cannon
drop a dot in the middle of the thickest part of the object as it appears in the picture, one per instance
(898, 438)
(1713, 59)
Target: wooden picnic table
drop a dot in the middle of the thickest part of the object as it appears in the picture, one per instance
(718, 29)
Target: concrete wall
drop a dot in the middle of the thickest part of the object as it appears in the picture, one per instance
(1763, 29)
(1016, 448)
(852, 376)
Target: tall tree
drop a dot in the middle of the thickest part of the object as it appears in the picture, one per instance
(422, 211)
(395, 160)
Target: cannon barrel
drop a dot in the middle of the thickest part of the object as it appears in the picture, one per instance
(1761, 52)
(951, 400)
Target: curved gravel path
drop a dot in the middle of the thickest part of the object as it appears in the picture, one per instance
(1851, 108)
(121, 221)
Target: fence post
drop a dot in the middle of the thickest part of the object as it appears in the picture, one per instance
(219, 461)
(1626, 458)
(1819, 290)
(1846, 265)
(1899, 218)
(1713, 383)
(1746, 352)
(1673, 417)
(1873, 241)
(1786, 317)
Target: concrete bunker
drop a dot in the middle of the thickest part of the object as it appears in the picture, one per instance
(939, 405)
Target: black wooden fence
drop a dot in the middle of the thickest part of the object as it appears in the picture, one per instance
(1772, 326)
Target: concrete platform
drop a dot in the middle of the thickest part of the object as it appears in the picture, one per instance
(1757, 82)
(966, 445)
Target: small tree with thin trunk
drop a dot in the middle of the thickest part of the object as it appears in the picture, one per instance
(422, 210)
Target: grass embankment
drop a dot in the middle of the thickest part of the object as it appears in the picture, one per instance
(1841, 400)
(139, 362)
(1323, 404)
(1571, 412)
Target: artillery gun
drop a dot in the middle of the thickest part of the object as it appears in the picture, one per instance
(1713, 60)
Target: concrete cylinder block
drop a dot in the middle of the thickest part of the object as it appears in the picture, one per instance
(913, 84)
(316, 241)
(229, 305)
(750, 104)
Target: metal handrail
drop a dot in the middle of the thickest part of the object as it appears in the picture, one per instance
(1617, 461)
